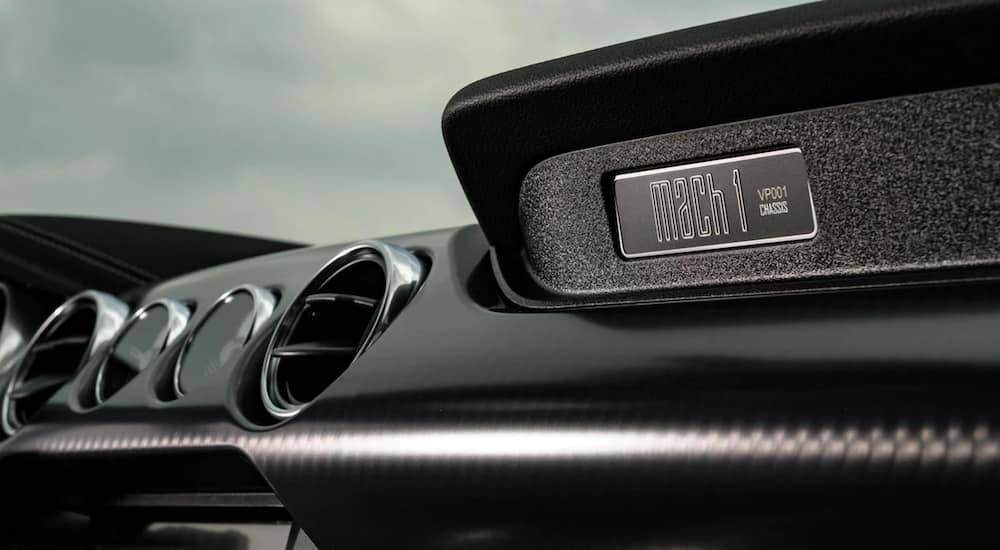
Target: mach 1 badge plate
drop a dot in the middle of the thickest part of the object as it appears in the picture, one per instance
(755, 199)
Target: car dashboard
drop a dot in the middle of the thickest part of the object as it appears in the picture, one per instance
(591, 365)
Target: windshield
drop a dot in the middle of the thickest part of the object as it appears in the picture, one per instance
(311, 121)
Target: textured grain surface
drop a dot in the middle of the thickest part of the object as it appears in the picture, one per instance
(903, 184)
(811, 56)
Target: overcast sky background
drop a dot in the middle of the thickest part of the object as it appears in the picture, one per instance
(315, 121)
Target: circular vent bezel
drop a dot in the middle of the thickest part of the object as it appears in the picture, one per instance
(178, 316)
(402, 271)
(109, 315)
(264, 302)
(18, 321)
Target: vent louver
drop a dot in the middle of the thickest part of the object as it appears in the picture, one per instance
(346, 306)
(71, 335)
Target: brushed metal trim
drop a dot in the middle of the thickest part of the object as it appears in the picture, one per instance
(717, 246)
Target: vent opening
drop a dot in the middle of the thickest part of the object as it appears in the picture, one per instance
(220, 337)
(53, 362)
(140, 342)
(328, 332)
(335, 318)
(57, 351)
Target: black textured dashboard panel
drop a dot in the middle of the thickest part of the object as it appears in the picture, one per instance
(805, 57)
(899, 185)
(754, 423)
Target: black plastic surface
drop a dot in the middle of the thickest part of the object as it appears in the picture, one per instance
(804, 57)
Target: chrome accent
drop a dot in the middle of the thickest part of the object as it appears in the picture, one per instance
(178, 316)
(263, 302)
(403, 274)
(110, 314)
(16, 327)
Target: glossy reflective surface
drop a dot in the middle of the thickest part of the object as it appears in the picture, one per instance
(134, 350)
(139, 343)
(218, 339)
(74, 333)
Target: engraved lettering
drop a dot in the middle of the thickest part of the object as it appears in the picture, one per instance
(664, 217)
(772, 193)
(692, 204)
(739, 199)
(667, 206)
(685, 222)
(702, 222)
(654, 191)
(773, 208)
(718, 202)
(758, 198)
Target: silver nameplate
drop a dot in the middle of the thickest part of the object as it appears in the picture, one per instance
(739, 201)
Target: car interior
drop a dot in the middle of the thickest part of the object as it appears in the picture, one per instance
(731, 286)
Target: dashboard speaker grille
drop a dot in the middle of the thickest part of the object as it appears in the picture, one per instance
(346, 306)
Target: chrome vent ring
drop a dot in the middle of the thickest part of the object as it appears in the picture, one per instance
(347, 305)
(227, 340)
(74, 333)
(127, 357)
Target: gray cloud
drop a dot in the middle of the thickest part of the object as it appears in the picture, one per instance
(307, 120)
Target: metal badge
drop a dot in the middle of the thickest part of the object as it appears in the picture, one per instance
(753, 199)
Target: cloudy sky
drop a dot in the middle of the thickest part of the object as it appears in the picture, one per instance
(316, 121)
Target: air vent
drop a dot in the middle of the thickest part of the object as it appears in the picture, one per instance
(18, 320)
(221, 335)
(139, 343)
(71, 335)
(348, 304)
